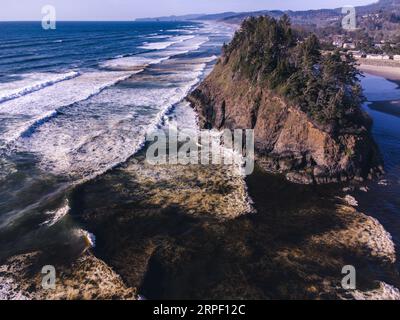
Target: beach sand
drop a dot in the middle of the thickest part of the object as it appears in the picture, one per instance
(389, 72)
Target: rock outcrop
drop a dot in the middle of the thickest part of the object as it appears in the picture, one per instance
(287, 139)
(87, 278)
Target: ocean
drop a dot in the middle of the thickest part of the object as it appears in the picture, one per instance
(77, 101)
(75, 106)
(382, 200)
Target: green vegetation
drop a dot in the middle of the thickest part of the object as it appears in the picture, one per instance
(273, 54)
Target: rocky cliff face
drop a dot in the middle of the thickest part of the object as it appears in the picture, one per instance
(287, 141)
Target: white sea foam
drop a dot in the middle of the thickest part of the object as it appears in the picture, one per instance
(165, 44)
(180, 45)
(131, 63)
(32, 82)
(26, 112)
(90, 238)
(157, 45)
(180, 48)
(88, 139)
(80, 130)
(192, 42)
(183, 118)
(56, 215)
(183, 30)
(86, 236)
(159, 37)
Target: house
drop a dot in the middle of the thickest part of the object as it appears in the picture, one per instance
(349, 45)
(375, 57)
(357, 54)
(338, 41)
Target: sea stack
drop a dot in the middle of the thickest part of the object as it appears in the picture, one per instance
(304, 104)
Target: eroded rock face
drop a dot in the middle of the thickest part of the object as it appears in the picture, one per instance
(286, 140)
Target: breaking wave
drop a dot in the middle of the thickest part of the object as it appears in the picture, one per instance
(18, 92)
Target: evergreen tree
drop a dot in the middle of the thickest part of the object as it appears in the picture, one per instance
(266, 50)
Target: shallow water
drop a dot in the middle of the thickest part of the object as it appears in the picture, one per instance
(77, 102)
(383, 199)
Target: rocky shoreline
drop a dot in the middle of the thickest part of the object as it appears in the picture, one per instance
(305, 107)
(87, 278)
(287, 141)
(293, 247)
(200, 232)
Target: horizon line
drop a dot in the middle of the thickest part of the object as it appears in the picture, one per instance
(200, 14)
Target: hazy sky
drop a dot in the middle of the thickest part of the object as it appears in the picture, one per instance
(129, 9)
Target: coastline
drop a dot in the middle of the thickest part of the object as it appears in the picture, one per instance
(338, 234)
(306, 233)
(183, 224)
(358, 239)
(378, 68)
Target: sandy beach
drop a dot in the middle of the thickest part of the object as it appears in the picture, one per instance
(390, 72)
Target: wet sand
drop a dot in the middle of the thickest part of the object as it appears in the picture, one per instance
(389, 72)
